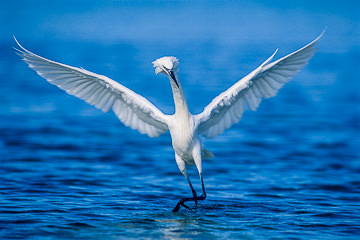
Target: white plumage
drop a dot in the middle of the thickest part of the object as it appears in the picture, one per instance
(104, 93)
(138, 113)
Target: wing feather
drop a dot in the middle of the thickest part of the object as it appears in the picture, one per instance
(264, 82)
(104, 93)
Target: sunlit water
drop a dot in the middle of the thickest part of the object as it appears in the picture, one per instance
(289, 170)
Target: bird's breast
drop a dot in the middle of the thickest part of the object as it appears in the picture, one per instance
(183, 134)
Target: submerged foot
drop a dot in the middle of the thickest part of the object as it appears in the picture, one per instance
(183, 200)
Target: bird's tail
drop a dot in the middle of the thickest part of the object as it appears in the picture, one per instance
(206, 154)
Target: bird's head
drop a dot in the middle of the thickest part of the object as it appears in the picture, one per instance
(168, 66)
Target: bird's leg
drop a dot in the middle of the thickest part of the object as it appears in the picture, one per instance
(193, 190)
(198, 162)
(203, 195)
(183, 200)
(194, 198)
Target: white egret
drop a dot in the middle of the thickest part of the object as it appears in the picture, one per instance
(136, 112)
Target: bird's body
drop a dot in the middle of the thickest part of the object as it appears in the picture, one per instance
(182, 127)
(185, 129)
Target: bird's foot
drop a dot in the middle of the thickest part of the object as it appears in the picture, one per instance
(179, 204)
(202, 197)
(183, 200)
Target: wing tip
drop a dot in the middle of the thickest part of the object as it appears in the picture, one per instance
(318, 38)
(17, 42)
(322, 33)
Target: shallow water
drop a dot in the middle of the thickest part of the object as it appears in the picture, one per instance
(290, 170)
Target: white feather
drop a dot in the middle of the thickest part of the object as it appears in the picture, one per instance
(263, 82)
(102, 92)
(138, 113)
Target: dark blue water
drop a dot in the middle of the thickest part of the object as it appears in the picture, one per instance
(290, 170)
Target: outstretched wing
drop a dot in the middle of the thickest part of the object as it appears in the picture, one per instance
(264, 82)
(132, 109)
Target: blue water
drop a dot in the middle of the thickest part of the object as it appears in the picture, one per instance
(290, 170)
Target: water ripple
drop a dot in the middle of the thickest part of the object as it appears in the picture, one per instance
(291, 170)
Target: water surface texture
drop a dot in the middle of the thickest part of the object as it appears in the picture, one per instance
(290, 170)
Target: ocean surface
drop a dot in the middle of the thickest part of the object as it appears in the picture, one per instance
(290, 170)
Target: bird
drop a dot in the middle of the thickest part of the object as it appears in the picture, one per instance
(186, 130)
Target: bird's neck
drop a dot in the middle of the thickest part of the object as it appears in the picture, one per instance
(181, 106)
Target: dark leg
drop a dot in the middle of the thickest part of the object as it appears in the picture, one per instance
(193, 191)
(194, 198)
(203, 195)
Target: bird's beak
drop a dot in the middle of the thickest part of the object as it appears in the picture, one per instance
(172, 76)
